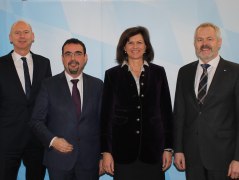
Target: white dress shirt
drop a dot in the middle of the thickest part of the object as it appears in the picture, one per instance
(79, 85)
(210, 70)
(19, 67)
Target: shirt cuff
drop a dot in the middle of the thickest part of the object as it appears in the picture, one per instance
(52, 141)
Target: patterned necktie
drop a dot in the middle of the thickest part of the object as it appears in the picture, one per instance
(76, 96)
(202, 87)
(27, 77)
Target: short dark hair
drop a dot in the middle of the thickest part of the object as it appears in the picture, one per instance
(124, 38)
(73, 41)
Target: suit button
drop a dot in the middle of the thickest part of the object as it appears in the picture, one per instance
(142, 84)
(142, 95)
(138, 107)
(138, 119)
(137, 132)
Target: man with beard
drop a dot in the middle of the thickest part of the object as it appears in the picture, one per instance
(66, 118)
(206, 123)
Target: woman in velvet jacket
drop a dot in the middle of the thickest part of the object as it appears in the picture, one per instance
(136, 112)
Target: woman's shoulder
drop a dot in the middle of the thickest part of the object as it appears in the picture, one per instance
(156, 67)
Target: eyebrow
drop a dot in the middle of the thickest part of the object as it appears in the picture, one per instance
(74, 52)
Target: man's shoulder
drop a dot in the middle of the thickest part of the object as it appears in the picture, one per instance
(5, 57)
(229, 63)
(190, 65)
(39, 57)
(54, 79)
(92, 78)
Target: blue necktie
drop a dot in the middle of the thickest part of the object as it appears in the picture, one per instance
(202, 87)
(76, 96)
(27, 77)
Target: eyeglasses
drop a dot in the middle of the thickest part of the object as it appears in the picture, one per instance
(76, 54)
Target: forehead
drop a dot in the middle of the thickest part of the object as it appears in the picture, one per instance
(73, 47)
(21, 26)
(206, 31)
(136, 37)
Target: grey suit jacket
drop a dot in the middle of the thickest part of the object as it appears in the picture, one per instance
(54, 115)
(213, 130)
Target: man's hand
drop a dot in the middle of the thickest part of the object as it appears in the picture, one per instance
(233, 171)
(60, 144)
(179, 161)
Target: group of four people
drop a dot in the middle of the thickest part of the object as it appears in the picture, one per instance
(125, 126)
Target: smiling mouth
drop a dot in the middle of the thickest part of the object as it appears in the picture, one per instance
(22, 42)
(73, 63)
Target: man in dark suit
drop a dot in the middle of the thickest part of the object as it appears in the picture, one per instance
(68, 126)
(206, 112)
(16, 102)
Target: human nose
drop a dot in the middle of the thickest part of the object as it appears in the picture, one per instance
(73, 55)
(21, 34)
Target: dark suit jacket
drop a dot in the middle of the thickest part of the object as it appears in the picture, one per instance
(15, 109)
(214, 128)
(136, 126)
(55, 115)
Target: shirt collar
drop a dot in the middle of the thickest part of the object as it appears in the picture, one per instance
(17, 56)
(69, 78)
(125, 63)
(213, 63)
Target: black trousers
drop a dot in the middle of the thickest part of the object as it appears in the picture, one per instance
(195, 169)
(201, 173)
(138, 170)
(32, 159)
(77, 173)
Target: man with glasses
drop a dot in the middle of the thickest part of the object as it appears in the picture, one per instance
(66, 118)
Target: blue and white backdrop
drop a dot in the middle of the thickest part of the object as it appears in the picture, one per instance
(99, 23)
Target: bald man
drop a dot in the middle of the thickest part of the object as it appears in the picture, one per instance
(21, 73)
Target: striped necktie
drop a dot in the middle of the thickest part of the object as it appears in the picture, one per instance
(202, 87)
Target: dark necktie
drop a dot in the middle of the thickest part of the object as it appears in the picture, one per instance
(27, 77)
(76, 96)
(202, 87)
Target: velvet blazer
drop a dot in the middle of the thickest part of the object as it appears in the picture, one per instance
(136, 126)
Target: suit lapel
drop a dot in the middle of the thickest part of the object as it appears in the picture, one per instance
(191, 76)
(36, 67)
(65, 94)
(86, 89)
(14, 74)
(217, 78)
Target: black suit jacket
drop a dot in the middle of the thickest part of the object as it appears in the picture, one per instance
(136, 126)
(15, 109)
(214, 128)
(54, 115)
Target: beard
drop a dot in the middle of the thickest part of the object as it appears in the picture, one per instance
(77, 68)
